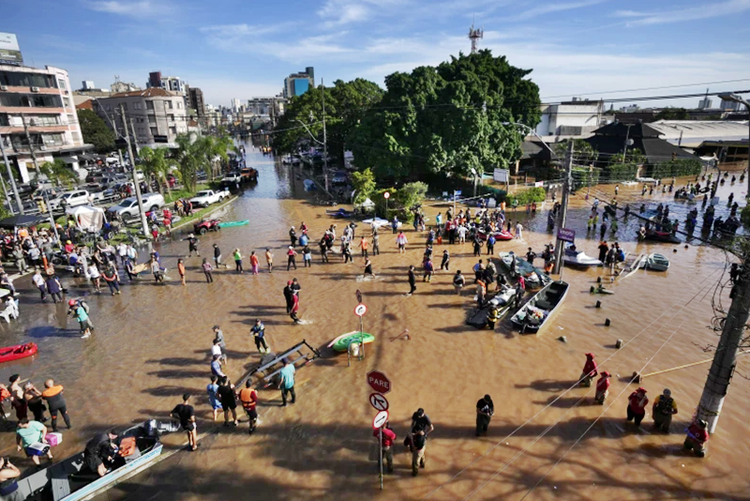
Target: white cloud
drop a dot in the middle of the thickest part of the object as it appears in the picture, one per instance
(240, 30)
(341, 12)
(141, 8)
(686, 14)
(554, 7)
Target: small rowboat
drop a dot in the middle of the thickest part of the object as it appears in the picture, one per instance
(229, 224)
(342, 342)
(18, 351)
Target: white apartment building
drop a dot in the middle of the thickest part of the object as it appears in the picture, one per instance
(576, 118)
(38, 118)
(155, 116)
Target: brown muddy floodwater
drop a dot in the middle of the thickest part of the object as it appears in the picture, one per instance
(152, 344)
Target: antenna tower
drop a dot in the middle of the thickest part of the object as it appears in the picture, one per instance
(475, 34)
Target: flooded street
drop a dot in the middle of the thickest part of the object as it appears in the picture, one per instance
(152, 344)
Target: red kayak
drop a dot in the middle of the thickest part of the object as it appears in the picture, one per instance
(11, 353)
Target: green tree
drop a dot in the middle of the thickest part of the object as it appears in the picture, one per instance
(95, 131)
(58, 173)
(364, 185)
(583, 152)
(671, 113)
(346, 104)
(448, 119)
(155, 163)
(190, 159)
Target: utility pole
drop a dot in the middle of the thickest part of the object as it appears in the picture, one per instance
(137, 186)
(559, 244)
(36, 166)
(725, 356)
(325, 137)
(625, 150)
(12, 179)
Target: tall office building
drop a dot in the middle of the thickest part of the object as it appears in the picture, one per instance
(297, 84)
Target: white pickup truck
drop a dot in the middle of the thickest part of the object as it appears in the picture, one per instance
(205, 198)
(76, 198)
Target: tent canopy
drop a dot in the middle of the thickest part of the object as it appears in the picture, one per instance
(19, 221)
(87, 217)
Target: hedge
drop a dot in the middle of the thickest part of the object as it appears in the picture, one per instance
(621, 172)
(676, 168)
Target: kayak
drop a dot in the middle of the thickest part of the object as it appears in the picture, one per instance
(229, 224)
(342, 343)
(11, 353)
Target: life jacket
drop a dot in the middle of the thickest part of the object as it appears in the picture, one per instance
(664, 405)
(127, 446)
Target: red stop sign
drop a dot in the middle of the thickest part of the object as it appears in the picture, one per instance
(378, 381)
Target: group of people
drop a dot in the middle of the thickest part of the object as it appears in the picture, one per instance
(662, 410)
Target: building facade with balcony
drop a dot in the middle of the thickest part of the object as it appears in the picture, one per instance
(152, 115)
(38, 118)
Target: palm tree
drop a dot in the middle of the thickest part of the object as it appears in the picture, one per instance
(189, 159)
(58, 172)
(155, 163)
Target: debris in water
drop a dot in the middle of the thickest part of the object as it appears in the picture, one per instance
(563, 339)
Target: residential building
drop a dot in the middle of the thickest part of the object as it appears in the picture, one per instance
(297, 84)
(172, 84)
(575, 118)
(118, 87)
(705, 103)
(236, 105)
(213, 116)
(633, 108)
(730, 105)
(154, 114)
(195, 101)
(38, 118)
(267, 106)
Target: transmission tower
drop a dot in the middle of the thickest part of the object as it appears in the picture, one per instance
(475, 34)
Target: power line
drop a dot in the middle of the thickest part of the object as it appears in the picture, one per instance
(652, 88)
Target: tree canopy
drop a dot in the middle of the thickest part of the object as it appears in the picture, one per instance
(346, 103)
(448, 120)
(670, 113)
(95, 131)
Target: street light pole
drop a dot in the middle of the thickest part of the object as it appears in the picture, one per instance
(12, 179)
(325, 137)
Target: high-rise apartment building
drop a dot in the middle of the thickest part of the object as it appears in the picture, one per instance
(195, 101)
(172, 84)
(38, 118)
(297, 84)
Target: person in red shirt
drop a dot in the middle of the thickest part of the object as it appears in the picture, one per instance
(389, 438)
(697, 436)
(589, 370)
(602, 387)
(254, 263)
(637, 402)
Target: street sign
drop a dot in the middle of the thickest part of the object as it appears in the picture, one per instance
(457, 193)
(379, 382)
(380, 419)
(386, 195)
(379, 402)
(566, 235)
(360, 310)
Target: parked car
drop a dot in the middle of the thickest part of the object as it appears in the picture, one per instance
(205, 198)
(128, 208)
(249, 174)
(74, 199)
(231, 178)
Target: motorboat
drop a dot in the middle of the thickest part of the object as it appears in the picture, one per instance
(379, 222)
(662, 236)
(574, 257)
(536, 313)
(657, 262)
(534, 277)
(503, 301)
(71, 480)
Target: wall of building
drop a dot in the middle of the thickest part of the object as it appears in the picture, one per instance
(150, 116)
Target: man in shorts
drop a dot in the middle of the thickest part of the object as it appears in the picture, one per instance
(186, 414)
(29, 433)
(259, 335)
(78, 311)
(228, 399)
(249, 399)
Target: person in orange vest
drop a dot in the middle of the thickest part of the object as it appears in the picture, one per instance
(363, 244)
(249, 399)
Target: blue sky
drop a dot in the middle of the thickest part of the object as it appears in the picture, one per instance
(244, 48)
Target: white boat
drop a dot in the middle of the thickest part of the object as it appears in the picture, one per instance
(70, 479)
(379, 222)
(657, 262)
(539, 309)
(534, 277)
(573, 257)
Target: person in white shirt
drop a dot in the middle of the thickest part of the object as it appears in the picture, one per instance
(462, 234)
(39, 282)
(122, 251)
(216, 350)
(95, 276)
(519, 231)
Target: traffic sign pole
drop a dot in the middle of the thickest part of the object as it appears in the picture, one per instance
(380, 439)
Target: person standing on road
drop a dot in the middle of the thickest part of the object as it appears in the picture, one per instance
(259, 336)
(112, 278)
(412, 281)
(237, 260)
(288, 293)
(368, 268)
(401, 242)
(445, 264)
(421, 426)
(269, 260)
(254, 263)
(307, 256)
(192, 246)
(375, 242)
(389, 439)
(216, 366)
(290, 261)
(181, 270)
(485, 410)
(637, 402)
(38, 281)
(207, 269)
(228, 399)
(364, 244)
(295, 307)
(78, 311)
(292, 237)
(213, 398)
(249, 400)
(29, 433)
(217, 256)
(53, 394)
(286, 382)
(54, 288)
(186, 415)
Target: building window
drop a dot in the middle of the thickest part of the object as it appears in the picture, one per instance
(66, 100)
(139, 120)
(179, 105)
(61, 83)
(173, 131)
(149, 105)
(76, 137)
(71, 118)
(168, 105)
(170, 117)
(154, 131)
(151, 119)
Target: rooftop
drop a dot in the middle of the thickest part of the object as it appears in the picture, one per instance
(150, 92)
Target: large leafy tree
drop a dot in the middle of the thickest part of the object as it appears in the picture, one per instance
(95, 131)
(448, 120)
(58, 172)
(346, 104)
(190, 159)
